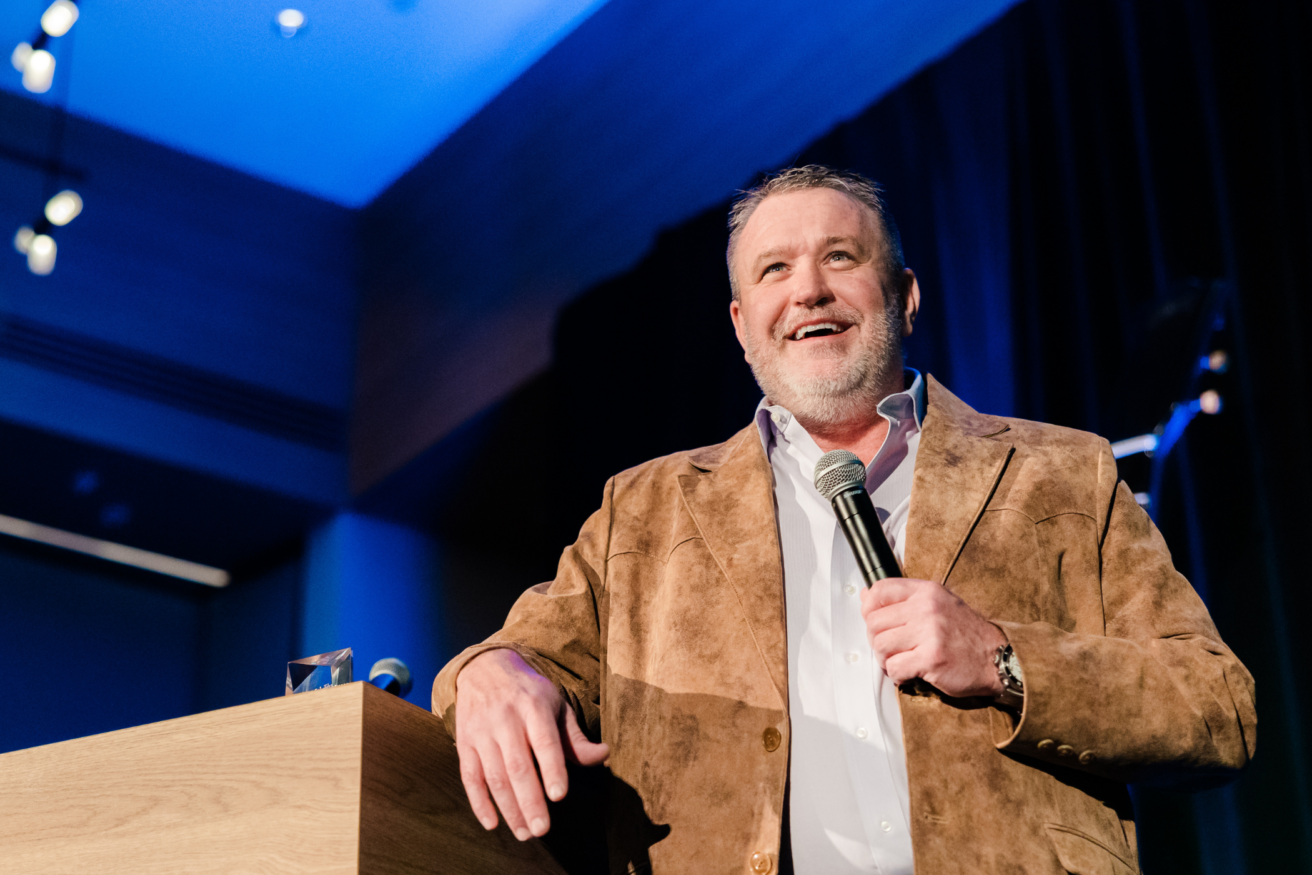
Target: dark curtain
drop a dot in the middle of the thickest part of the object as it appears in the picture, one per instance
(1094, 193)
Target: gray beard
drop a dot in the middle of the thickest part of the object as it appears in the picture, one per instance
(823, 402)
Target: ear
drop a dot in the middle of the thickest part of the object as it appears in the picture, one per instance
(736, 316)
(910, 300)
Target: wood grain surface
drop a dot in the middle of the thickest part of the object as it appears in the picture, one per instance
(345, 780)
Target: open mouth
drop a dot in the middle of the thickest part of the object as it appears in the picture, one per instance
(818, 329)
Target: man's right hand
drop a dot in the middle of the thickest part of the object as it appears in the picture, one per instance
(508, 716)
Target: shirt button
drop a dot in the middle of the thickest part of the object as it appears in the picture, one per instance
(885, 826)
(861, 732)
(771, 739)
(853, 657)
(1087, 757)
(761, 863)
(1046, 744)
(850, 589)
(1065, 750)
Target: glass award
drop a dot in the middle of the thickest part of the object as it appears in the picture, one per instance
(317, 672)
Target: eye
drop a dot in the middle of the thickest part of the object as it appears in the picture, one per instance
(774, 268)
(840, 255)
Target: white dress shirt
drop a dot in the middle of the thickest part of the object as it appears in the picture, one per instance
(848, 798)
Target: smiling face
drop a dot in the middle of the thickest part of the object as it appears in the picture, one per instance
(819, 318)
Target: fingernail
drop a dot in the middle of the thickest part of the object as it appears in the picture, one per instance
(523, 835)
(539, 826)
(556, 791)
(488, 823)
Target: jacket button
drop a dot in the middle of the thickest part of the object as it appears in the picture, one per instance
(1087, 757)
(1046, 744)
(761, 863)
(771, 738)
(1065, 750)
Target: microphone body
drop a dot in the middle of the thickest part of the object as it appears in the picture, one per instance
(860, 524)
(840, 477)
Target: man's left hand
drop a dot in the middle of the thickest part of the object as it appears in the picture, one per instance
(919, 629)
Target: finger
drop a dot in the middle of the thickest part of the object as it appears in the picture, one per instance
(525, 783)
(889, 617)
(581, 750)
(471, 775)
(886, 592)
(888, 644)
(503, 791)
(902, 667)
(544, 738)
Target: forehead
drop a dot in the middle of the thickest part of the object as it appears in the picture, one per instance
(797, 218)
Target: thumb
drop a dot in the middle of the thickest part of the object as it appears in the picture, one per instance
(577, 746)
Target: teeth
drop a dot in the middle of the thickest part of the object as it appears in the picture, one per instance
(819, 326)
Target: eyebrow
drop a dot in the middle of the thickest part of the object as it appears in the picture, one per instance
(833, 240)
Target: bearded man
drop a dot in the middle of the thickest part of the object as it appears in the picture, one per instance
(759, 709)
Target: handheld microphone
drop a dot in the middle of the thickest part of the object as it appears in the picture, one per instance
(840, 477)
(391, 676)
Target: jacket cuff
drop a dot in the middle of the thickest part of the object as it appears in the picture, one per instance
(1047, 728)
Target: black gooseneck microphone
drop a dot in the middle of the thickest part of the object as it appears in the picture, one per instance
(841, 477)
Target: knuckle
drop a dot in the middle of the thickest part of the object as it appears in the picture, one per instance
(518, 767)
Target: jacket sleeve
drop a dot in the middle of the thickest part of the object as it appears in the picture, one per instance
(1159, 697)
(555, 626)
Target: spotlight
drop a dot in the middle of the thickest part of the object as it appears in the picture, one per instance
(63, 207)
(1210, 401)
(39, 71)
(290, 21)
(23, 239)
(59, 17)
(41, 254)
(20, 55)
(1217, 361)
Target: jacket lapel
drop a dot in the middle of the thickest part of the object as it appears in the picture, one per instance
(731, 499)
(961, 458)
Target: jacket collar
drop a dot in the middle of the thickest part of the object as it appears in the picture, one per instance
(961, 458)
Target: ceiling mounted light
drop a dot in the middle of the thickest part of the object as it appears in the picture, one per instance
(20, 55)
(63, 207)
(41, 254)
(290, 21)
(59, 17)
(23, 239)
(39, 72)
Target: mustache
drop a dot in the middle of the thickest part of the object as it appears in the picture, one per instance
(832, 313)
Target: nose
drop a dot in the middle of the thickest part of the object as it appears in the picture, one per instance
(810, 288)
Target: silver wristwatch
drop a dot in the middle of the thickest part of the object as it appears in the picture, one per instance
(1013, 679)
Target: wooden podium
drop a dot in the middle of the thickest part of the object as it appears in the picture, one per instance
(342, 780)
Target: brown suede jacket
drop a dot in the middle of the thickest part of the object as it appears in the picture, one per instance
(664, 628)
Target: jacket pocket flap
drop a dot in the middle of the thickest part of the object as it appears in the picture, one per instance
(1082, 854)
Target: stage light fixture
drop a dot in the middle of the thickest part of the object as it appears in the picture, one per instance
(290, 21)
(63, 207)
(59, 17)
(23, 239)
(41, 254)
(1210, 402)
(20, 55)
(39, 71)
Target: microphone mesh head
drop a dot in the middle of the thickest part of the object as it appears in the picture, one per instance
(837, 471)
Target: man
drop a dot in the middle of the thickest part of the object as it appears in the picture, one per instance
(759, 709)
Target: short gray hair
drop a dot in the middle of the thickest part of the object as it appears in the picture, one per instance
(862, 190)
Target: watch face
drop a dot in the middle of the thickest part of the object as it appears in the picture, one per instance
(1013, 667)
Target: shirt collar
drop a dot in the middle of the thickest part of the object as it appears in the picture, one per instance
(771, 418)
